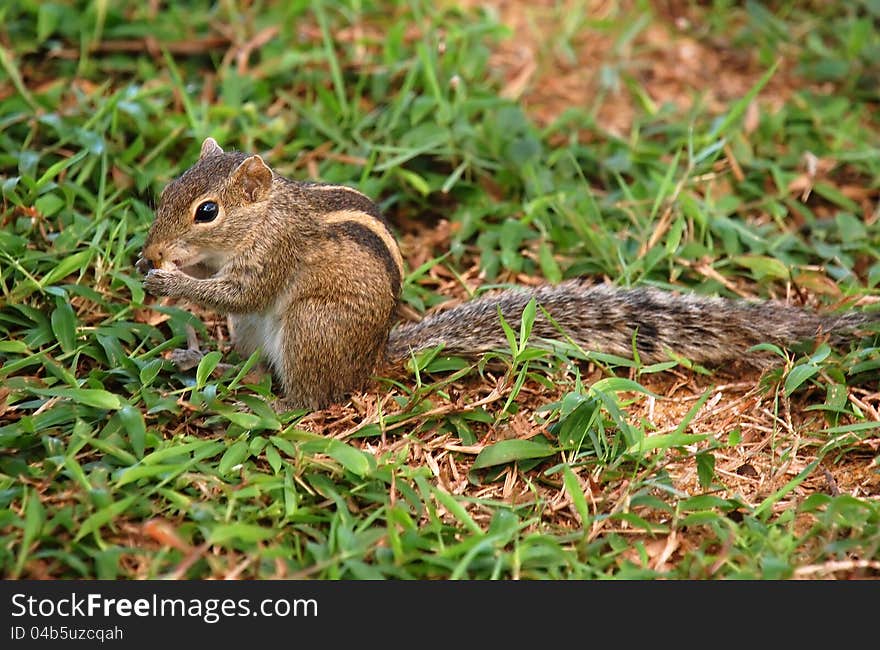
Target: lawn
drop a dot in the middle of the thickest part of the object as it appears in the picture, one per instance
(722, 148)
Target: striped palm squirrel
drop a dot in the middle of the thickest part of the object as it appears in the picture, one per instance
(311, 273)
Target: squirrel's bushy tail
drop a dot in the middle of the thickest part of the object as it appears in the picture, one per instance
(604, 318)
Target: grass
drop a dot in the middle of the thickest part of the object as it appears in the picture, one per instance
(729, 149)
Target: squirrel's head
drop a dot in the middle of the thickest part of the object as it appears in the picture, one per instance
(204, 215)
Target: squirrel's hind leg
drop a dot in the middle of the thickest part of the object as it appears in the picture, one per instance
(187, 358)
(329, 349)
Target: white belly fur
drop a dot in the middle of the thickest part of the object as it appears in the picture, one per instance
(264, 330)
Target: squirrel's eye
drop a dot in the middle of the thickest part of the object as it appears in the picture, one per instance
(207, 211)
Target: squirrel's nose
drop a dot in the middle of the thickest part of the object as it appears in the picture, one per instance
(150, 258)
(143, 264)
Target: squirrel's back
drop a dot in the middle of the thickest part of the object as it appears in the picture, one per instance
(605, 318)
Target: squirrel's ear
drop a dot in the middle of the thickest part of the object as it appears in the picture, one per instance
(254, 178)
(209, 148)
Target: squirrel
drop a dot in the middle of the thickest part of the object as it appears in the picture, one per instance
(311, 273)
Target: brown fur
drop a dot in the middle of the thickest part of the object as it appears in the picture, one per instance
(318, 298)
(311, 274)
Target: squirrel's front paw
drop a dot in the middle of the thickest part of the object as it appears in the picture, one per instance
(162, 282)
